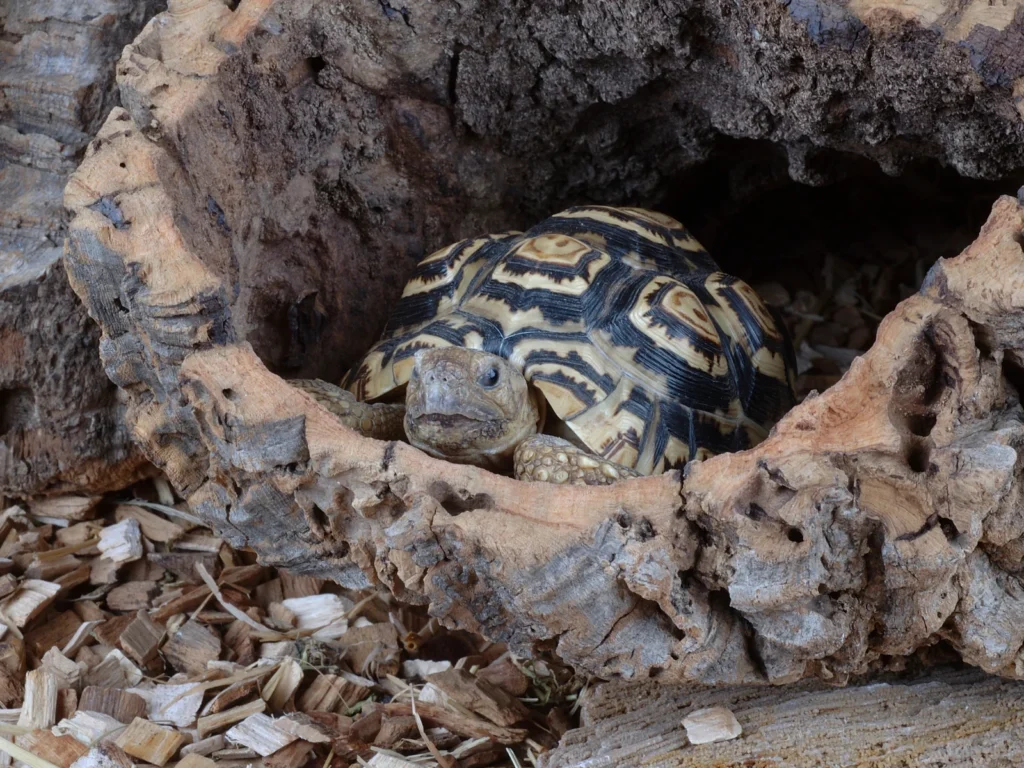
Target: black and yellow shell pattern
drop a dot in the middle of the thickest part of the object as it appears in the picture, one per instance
(646, 350)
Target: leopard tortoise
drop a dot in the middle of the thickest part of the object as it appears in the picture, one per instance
(610, 329)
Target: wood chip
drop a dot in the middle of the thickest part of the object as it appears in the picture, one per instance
(120, 705)
(150, 742)
(464, 725)
(67, 672)
(103, 571)
(194, 760)
(221, 720)
(325, 613)
(141, 640)
(133, 596)
(8, 584)
(206, 746)
(110, 631)
(302, 726)
(282, 685)
(75, 578)
(29, 600)
(479, 696)
(87, 727)
(297, 585)
(104, 755)
(385, 760)
(175, 705)
(183, 564)
(232, 696)
(67, 703)
(294, 755)
(331, 693)
(394, 728)
(53, 633)
(115, 671)
(78, 535)
(504, 674)
(259, 733)
(40, 707)
(121, 543)
(372, 650)
(68, 508)
(191, 647)
(420, 668)
(197, 542)
(81, 636)
(49, 569)
(61, 751)
(154, 527)
(704, 726)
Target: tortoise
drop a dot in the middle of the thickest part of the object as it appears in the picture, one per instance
(601, 344)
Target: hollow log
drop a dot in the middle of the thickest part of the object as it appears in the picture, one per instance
(277, 169)
(60, 417)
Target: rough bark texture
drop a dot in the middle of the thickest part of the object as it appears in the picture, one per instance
(947, 718)
(279, 166)
(60, 419)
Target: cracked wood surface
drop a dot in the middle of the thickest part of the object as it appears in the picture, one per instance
(947, 717)
(880, 519)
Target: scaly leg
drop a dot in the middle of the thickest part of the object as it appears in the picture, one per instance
(380, 420)
(550, 459)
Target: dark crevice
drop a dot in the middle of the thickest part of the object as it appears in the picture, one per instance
(455, 503)
(453, 77)
(1013, 372)
(918, 455)
(17, 409)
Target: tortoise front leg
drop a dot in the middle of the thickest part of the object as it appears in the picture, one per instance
(380, 420)
(550, 459)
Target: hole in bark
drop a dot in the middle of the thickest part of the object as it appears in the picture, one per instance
(454, 503)
(756, 512)
(949, 529)
(318, 519)
(918, 455)
(229, 394)
(645, 529)
(17, 409)
(316, 64)
(795, 535)
(119, 305)
(921, 424)
(1013, 372)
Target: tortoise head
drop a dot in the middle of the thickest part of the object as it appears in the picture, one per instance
(469, 406)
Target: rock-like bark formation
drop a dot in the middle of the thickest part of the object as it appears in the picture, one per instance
(277, 169)
(60, 418)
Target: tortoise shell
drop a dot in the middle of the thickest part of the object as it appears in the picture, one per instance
(639, 343)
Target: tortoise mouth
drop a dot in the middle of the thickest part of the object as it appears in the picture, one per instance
(452, 420)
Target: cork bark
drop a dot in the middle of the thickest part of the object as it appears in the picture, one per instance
(61, 425)
(277, 169)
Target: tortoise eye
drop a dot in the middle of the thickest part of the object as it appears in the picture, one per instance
(489, 378)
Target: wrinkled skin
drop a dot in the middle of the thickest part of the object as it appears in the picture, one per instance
(469, 406)
(472, 407)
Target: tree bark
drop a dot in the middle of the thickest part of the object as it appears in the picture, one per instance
(947, 717)
(278, 168)
(61, 427)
